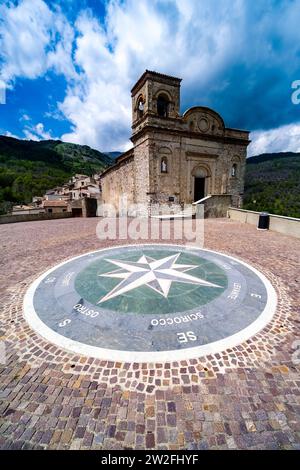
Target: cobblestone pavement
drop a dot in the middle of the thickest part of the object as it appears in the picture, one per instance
(245, 397)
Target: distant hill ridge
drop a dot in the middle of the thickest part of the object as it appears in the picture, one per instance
(28, 168)
(65, 153)
(263, 157)
(113, 155)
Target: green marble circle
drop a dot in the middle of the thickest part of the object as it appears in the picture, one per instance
(92, 284)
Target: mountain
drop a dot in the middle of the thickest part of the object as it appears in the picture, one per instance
(113, 155)
(272, 183)
(28, 168)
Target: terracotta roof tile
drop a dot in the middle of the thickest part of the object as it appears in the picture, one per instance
(55, 204)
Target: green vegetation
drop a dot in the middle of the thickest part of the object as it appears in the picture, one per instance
(272, 184)
(29, 168)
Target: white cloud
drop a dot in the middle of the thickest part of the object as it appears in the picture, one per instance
(213, 45)
(283, 139)
(60, 58)
(37, 132)
(98, 104)
(29, 44)
(25, 34)
(25, 117)
(140, 35)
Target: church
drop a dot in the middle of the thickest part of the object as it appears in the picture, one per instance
(176, 159)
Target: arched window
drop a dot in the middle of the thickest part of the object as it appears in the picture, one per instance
(164, 165)
(162, 106)
(140, 107)
(234, 170)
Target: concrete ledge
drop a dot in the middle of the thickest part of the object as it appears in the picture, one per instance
(278, 223)
(11, 219)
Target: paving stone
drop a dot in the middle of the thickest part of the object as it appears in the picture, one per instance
(75, 444)
(150, 441)
(66, 436)
(243, 398)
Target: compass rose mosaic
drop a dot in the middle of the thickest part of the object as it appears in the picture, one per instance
(149, 302)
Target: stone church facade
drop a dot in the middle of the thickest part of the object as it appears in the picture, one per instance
(175, 158)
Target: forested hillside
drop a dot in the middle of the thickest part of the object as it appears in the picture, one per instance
(272, 183)
(29, 168)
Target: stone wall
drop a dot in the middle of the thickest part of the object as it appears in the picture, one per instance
(142, 151)
(10, 219)
(119, 182)
(278, 223)
(217, 206)
(143, 182)
(186, 156)
(56, 210)
(164, 185)
(89, 207)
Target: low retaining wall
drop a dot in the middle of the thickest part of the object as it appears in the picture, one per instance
(215, 205)
(278, 223)
(11, 219)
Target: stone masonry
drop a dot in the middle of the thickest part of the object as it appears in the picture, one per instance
(176, 158)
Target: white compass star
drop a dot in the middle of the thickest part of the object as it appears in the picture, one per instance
(158, 274)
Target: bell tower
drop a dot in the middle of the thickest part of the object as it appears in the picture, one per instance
(155, 100)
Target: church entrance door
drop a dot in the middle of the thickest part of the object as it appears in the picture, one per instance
(199, 188)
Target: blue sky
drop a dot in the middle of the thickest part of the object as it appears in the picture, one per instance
(68, 66)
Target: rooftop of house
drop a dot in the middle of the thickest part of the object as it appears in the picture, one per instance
(23, 207)
(55, 203)
(79, 176)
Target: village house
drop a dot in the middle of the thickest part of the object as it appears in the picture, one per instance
(27, 209)
(79, 186)
(55, 207)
